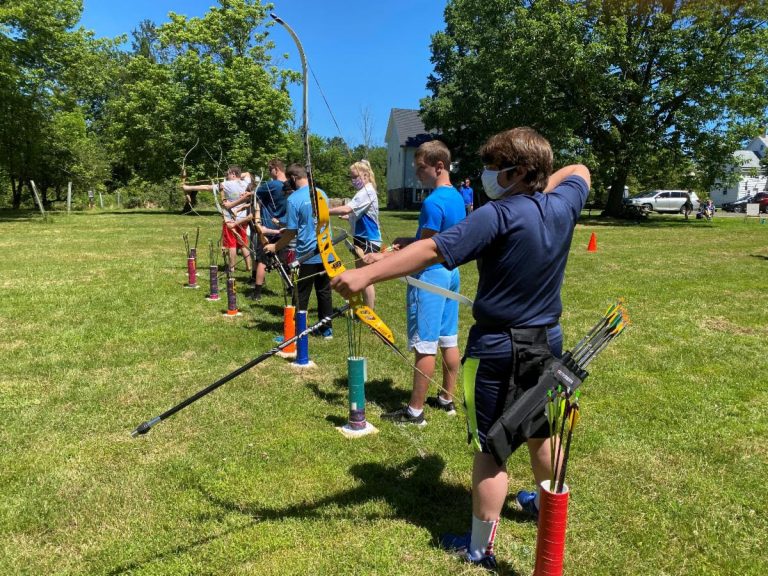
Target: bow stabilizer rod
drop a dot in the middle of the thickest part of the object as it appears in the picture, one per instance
(145, 427)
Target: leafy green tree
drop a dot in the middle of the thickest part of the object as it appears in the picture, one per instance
(50, 73)
(639, 91)
(208, 78)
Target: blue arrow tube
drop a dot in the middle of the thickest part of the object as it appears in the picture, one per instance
(302, 347)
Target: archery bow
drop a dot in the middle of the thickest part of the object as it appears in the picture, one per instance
(187, 197)
(331, 261)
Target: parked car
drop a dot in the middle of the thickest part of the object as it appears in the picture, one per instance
(663, 200)
(738, 205)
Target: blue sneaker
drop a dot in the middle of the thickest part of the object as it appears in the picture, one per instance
(527, 502)
(459, 545)
(327, 334)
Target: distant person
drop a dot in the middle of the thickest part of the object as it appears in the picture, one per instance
(90, 198)
(468, 195)
(234, 228)
(363, 214)
(687, 205)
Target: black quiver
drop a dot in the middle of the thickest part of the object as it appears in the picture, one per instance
(525, 414)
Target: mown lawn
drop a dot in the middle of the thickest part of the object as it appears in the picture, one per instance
(97, 334)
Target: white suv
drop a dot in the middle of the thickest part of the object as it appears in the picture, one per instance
(663, 200)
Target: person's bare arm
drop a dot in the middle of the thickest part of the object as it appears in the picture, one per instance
(285, 239)
(572, 170)
(412, 258)
(340, 211)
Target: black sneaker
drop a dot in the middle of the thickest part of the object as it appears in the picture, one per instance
(402, 416)
(434, 402)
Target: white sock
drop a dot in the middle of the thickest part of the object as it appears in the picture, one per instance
(536, 498)
(483, 535)
(413, 412)
(443, 401)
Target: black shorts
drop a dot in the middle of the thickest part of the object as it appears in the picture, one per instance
(367, 246)
(489, 383)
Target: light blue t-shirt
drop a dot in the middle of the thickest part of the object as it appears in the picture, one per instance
(441, 210)
(299, 218)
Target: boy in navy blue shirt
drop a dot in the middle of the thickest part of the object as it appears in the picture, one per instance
(273, 202)
(521, 240)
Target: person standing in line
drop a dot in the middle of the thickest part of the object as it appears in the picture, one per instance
(521, 239)
(273, 201)
(300, 224)
(363, 215)
(234, 227)
(433, 319)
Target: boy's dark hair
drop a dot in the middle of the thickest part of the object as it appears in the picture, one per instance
(433, 152)
(276, 163)
(296, 171)
(522, 147)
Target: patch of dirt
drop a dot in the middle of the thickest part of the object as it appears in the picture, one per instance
(720, 324)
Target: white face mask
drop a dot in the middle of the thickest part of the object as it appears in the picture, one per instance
(491, 184)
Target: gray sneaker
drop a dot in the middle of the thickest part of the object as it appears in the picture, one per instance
(402, 416)
(434, 402)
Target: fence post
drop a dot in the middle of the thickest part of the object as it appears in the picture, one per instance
(69, 197)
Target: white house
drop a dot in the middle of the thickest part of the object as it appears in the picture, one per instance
(752, 179)
(405, 133)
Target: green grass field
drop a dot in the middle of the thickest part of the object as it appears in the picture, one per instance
(98, 334)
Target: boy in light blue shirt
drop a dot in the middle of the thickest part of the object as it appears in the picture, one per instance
(433, 319)
(300, 224)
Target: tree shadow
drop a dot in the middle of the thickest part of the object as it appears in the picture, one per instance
(413, 490)
(381, 391)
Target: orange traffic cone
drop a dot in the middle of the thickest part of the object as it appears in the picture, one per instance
(592, 243)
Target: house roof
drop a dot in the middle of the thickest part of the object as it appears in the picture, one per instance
(410, 128)
(746, 159)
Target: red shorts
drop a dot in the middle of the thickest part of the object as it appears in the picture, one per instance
(229, 239)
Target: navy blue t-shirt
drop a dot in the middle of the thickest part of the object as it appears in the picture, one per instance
(522, 245)
(273, 202)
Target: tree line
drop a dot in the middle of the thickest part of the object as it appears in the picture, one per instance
(650, 94)
(88, 111)
(655, 93)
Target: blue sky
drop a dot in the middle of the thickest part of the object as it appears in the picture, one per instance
(370, 56)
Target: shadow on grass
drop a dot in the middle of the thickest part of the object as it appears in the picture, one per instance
(381, 392)
(649, 222)
(759, 256)
(403, 486)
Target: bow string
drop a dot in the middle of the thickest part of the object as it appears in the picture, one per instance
(323, 231)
